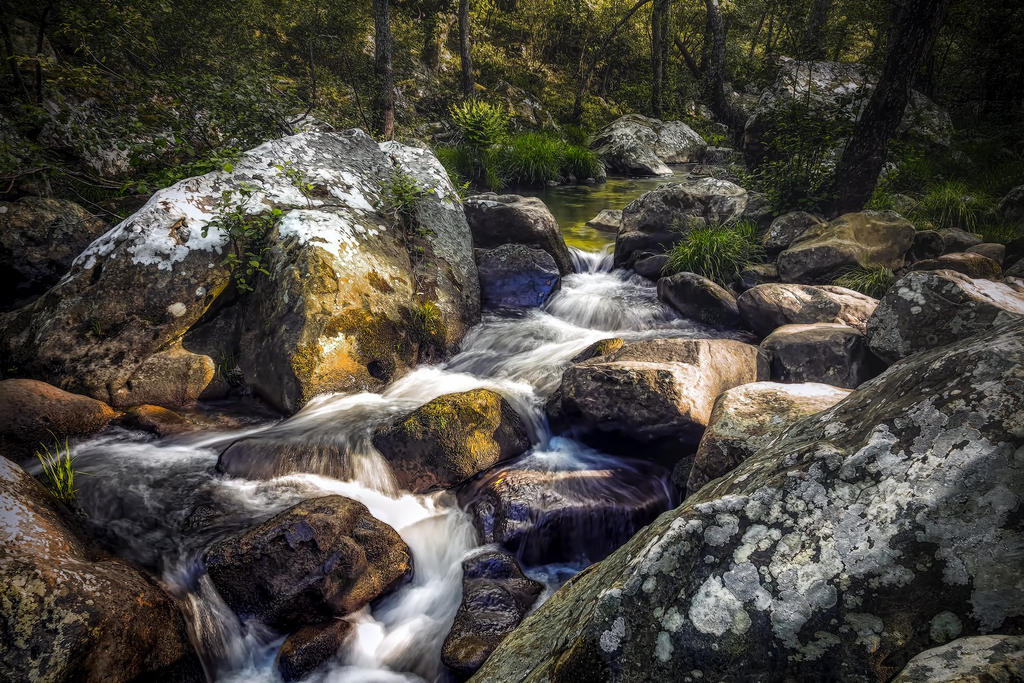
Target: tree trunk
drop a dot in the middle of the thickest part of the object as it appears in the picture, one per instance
(915, 28)
(714, 71)
(465, 50)
(814, 39)
(659, 54)
(433, 33)
(385, 109)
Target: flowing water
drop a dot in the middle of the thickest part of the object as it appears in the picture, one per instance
(161, 503)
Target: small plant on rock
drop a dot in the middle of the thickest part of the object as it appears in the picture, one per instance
(401, 195)
(247, 233)
(874, 282)
(717, 252)
(58, 475)
(427, 322)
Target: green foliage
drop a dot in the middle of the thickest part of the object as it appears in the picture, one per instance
(580, 162)
(427, 322)
(718, 252)
(217, 160)
(481, 124)
(953, 205)
(247, 233)
(401, 195)
(874, 282)
(1001, 232)
(531, 159)
(59, 471)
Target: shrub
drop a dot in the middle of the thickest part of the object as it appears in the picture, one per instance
(59, 471)
(482, 124)
(874, 282)
(247, 233)
(718, 253)
(401, 194)
(953, 205)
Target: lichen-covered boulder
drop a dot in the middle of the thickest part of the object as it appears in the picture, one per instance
(869, 239)
(833, 553)
(967, 263)
(451, 438)
(978, 659)
(310, 647)
(320, 559)
(39, 238)
(660, 390)
(658, 219)
(496, 595)
(821, 352)
(638, 145)
(926, 309)
(786, 229)
(697, 297)
(768, 306)
(514, 276)
(747, 418)
(73, 614)
(351, 294)
(511, 219)
(34, 414)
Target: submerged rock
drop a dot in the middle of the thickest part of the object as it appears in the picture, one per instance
(511, 219)
(932, 308)
(822, 352)
(698, 298)
(72, 614)
(451, 438)
(496, 595)
(826, 554)
(767, 307)
(323, 558)
(979, 659)
(638, 145)
(747, 418)
(609, 220)
(516, 276)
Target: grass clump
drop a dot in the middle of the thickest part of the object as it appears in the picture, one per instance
(532, 159)
(59, 471)
(718, 253)
(427, 322)
(874, 281)
(953, 205)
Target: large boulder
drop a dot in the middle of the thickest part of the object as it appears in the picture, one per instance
(697, 297)
(658, 219)
(661, 390)
(926, 309)
(72, 614)
(868, 239)
(966, 263)
(833, 553)
(822, 352)
(496, 595)
(978, 659)
(451, 438)
(768, 306)
(516, 276)
(323, 558)
(34, 414)
(638, 145)
(747, 418)
(39, 238)
(351, 296)
(786, 229)
(511, 219)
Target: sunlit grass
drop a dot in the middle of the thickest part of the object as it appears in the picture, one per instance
(718, 253)
(59, 471)
(874, 282)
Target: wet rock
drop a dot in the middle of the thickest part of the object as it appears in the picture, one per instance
(39, 238)
(309, 648)
(785, 230)
(868, 239)
(957, 240)
(651, 267)
(967, 263)
(496, 595)
(926, 309)
(831, 353)
(817, 558)
(766, 307)
(928, 244)
(658, 219)
(638, 145)
(33, 414)
(602, 347)
(608, 219)
(516, 276)
(698, 298)
(759, 209)
(451, 438)
(992, 250)
(354, 295)
(979, 659)
(156, 420)
(72, 614)
(757, 274)
(747, 418)
(657, 391)
(510, 219)
(321, 559)
(1011, 207)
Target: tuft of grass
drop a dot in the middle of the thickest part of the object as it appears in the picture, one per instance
(59, 471)
(874, 282)
(718, 253)
(427, 322)
(953, 205)
(1001, 232)
(580, 162)
(531, 159)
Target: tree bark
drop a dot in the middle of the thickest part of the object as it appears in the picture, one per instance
(814, 37)
(385, 109)
(465, 51)
(914, 30)
(714, 71)
(659, 54)
(432, 36)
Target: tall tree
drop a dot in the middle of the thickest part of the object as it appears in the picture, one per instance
(385, 109)
(714, 71)
(660, 42)
(466, 50)
(915, 27)
(814, 34)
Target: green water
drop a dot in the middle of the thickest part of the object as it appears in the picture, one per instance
(574, 205)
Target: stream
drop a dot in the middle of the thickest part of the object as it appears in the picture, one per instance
(161, 502)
